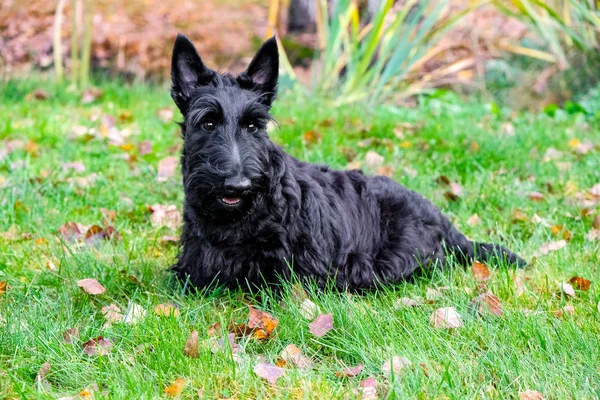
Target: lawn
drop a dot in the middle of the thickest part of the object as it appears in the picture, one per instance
(524, 180)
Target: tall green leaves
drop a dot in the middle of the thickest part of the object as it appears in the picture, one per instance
(375, 62)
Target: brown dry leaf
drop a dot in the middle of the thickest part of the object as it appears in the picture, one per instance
(97, 346)
(70, 334)
(134, 314)
(166, 168)
(385, 170)
(191, 345)
(474, 220)
(368, 389)
(321, 325)
(536, 196)
(350, 372)
(167, 310)
(96, 233)
(293, 355)
(373, 160)
(531, 395)
(567, 289)
(3, 287)
(487, 303)
(90, 95)
(144, 148)
(176, 387)
(593, 234)
(446, 317)
(396, 365)
(214, 329)
(112, 314)
(308, 309)
(165, 114)
(91, 286)
(455, 192)
(262, 323)
(76, 166)
(480, 272)
(551, 246)
(596, 222)
(268, 372)
(165, 215)
(580, 283)
(40, 379)
(406, 302)
(519, 286)
(312, 137)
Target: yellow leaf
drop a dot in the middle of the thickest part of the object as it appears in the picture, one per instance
(176, 387)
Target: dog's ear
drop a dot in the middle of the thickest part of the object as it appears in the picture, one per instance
(263, 71)
(187, 71)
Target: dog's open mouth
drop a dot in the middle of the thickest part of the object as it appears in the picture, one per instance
(231, 201)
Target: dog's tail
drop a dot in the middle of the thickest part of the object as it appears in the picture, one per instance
(466, 250)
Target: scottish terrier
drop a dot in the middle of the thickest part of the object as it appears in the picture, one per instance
(254, 215)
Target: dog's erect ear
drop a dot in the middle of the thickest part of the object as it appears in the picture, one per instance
(263, 71)
(187, 71)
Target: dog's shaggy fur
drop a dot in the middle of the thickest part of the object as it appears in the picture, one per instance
(253, 214)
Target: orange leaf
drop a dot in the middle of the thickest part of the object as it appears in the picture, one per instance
(580, 283)
(176, 387)
(480, 271)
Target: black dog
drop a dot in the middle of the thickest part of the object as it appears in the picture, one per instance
(253, 214)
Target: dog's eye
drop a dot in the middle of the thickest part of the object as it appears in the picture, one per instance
(208, 126)
(252, 128)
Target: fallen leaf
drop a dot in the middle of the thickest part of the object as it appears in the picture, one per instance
(262, 323)
(165, 215)
(567, 289)
(487, 303)
(551, 246)
(598, 306)
(480, 272)
(96, 233)
(569, 309)
(145, 148)
(91, 286)
(191, 345)
(176, 387)
(519, 286)
(269, 372)
(395, 365)
(112, 314)
(580, 283)
(77, 166)
(433, 294)
(293, 355)
(70, 334)
(219, 345)
(97, 346)
(368, 389)
(321, 325)
(165, 114)
(40, 379)
(474, 220)
(519, 216)
(596, 222)
(3, 287)
(406, 302)
(446, 317)
(134, 314)
(312, 137)
(166, 168)
(86, 393)
(385, 170)
(593, 234)
(90, 95)
(166, 310)
(350, 372)
(373, 160)
(455, 192)
(531, 395)
(536, 196)
(308, 309)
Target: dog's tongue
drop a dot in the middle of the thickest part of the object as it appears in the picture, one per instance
(231, 200)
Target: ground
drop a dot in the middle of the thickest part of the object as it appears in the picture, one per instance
(529, 178)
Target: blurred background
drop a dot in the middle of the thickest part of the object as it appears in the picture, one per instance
(526, 53)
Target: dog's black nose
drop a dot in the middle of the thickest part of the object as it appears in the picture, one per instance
(237, 184)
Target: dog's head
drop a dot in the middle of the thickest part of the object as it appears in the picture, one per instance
(226, 147)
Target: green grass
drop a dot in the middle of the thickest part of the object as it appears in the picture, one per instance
(486, 358)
